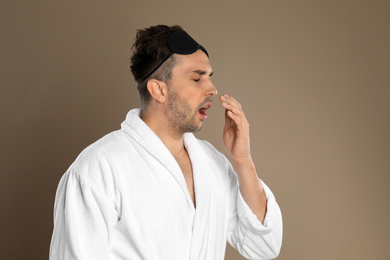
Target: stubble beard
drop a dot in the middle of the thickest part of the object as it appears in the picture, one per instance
(182, 118)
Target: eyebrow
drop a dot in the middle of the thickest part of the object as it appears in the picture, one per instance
(203, 72)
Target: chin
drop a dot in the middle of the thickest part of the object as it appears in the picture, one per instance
(194, 128)
(197, 130)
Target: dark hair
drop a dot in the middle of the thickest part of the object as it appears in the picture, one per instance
(149, 50)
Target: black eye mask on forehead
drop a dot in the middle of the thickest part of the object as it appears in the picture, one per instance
(180, 43)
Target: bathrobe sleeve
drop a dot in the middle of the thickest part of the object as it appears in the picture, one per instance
(83, 220)
(246, 233)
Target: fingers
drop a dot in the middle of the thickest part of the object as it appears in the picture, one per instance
(233, 111)
(228, 120)
(230, 103)
(231, 100)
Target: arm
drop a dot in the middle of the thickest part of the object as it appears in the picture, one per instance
(83, 220)
(237, 144)
(255, 228)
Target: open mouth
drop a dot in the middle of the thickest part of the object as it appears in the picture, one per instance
(202, 111)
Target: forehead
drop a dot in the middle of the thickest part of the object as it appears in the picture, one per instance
(193, 62)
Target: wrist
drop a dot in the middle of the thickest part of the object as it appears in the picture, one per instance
(240, 162)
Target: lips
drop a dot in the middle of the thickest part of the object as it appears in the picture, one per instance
(202, 111)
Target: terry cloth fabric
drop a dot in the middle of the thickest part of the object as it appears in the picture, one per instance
(125, 197)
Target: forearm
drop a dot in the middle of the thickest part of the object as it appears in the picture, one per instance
(251, 187)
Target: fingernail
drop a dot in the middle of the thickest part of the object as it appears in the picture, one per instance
(226, 95)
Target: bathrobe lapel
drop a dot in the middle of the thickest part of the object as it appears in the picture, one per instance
(201, 165)
(201, 172)
(151, 143)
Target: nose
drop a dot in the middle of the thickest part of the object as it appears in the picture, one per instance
(211, 89)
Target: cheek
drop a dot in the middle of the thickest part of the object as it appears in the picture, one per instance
(195, 96)
(189, 90)
(194, 92)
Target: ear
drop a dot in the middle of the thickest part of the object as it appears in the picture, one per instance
(157, 90)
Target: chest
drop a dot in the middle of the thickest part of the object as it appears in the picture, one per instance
(186, 168)
(169, 190)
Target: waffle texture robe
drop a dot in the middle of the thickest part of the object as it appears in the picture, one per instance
(125, 197)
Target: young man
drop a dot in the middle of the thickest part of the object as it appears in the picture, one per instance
(151, 190)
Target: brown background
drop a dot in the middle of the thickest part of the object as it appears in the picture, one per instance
(313, 78)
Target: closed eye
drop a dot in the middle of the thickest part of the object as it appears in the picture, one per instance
(200, 73)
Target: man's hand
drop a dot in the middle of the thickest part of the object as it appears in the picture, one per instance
(236, 130)
(237, 144)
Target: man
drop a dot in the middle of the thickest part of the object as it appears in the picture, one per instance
(151, 190)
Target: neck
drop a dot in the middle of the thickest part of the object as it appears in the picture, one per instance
(157, 121)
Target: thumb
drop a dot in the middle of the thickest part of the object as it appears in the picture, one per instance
(228, 120)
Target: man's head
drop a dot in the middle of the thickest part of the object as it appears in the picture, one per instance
(154, 58)
(189, 94)
(173, 74)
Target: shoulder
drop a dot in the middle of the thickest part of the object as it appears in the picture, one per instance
(213, 153)
(103, 147)
(92, 171)
(98, 157)
(208, 146)
(217, 163)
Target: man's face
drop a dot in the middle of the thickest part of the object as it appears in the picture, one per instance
(190, 91)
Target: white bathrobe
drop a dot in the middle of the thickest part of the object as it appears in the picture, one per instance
(125, 197)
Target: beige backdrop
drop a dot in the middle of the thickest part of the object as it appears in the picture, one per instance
(313, 78)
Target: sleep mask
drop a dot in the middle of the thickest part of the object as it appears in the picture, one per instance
(180, 43)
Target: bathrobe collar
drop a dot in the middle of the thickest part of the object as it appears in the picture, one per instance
(140, 132)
